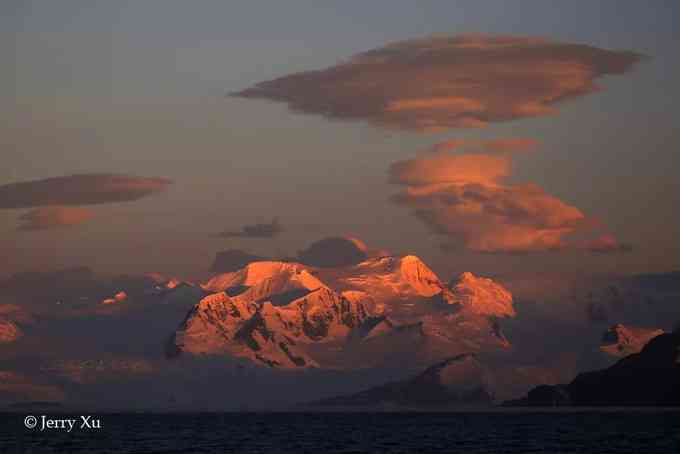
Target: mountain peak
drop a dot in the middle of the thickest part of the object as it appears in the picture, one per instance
(256, 272)
(481, 296)
(406, 275)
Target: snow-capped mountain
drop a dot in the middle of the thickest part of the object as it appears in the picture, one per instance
(387, 277)
(481, 296)
(250, 325)
(284, 314)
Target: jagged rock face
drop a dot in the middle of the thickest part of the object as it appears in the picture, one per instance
(620, 340)
(214, 320)
(481, 296)
(266, 333)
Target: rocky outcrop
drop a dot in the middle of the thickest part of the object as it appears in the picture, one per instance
(620, 340)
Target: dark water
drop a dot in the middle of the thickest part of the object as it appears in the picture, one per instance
(325, 433)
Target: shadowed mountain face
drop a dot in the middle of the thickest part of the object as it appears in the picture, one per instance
(461, 380)
(648, 378)
(383, 309)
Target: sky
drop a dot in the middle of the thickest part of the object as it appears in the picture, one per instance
(164, 93)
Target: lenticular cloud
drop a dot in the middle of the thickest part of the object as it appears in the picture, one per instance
(448, 82)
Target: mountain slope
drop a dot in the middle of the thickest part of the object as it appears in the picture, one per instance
(461, 380)
(648, 378)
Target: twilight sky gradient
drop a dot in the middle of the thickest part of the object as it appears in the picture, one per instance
(138, 89)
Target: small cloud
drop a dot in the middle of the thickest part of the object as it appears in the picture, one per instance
(607, 244)
(438, 83)
(266, 230)
(334, 251)
(53, 217)
(82, 189)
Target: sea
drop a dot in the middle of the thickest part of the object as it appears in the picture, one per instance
(592, 431)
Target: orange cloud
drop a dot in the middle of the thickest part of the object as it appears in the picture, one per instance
(466, 198)
(447, 169)
(448, 82)
(53, 217)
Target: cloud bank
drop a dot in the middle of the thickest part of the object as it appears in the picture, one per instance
(448, 82)
(82, 189)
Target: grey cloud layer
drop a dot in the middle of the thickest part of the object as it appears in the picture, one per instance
(448, 82)
(82, 189)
